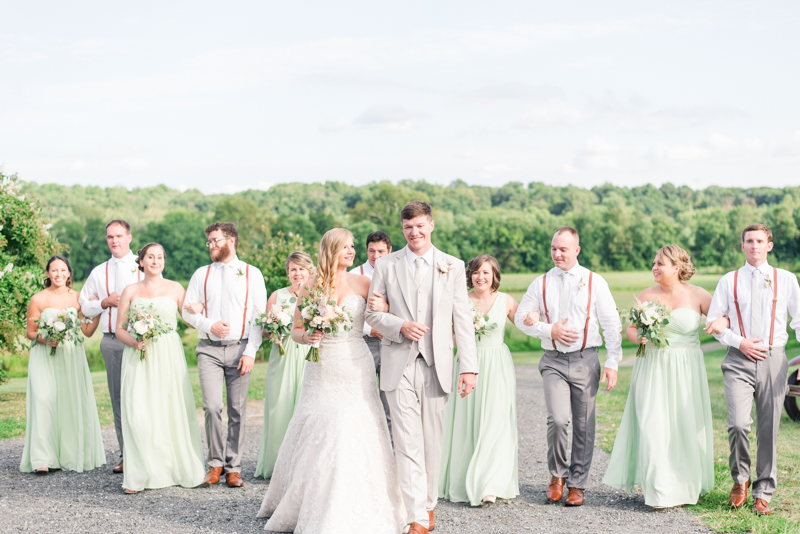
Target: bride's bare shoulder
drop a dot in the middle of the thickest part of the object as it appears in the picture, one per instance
(359, 284)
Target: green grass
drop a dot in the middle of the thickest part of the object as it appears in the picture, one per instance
(712, 508)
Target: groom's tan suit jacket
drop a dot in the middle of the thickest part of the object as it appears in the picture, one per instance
(450, 313)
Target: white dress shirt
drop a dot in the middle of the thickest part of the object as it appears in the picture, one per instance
(366, 270)
(412, 262)
(788, 299)
(125, 268)
(256, 302)
(604, 312)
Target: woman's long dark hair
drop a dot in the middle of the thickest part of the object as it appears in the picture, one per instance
(47, 282)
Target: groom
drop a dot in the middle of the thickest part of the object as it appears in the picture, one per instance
(427, 294)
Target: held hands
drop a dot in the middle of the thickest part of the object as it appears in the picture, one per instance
(717, 326)
(467, 380)
(611, 374)
(415, 331)
(378, 304)
(111, 301)
(375, 333)
(194, 308)
(562, 334)
(531, 318)
(752, 351)
(220, 329)
(246, 364)
(313, 339)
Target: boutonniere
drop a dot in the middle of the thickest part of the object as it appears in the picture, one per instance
(767, 281)
(444, 267)
(581, 285)
(239, 274)
(133, 271)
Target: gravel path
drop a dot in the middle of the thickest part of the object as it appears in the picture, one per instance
(93, 502)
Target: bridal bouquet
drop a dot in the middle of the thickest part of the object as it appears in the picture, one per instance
(145, 325)
(480, 322)
(650, 319)
(64, 326)
(278, 322)
(318, 312)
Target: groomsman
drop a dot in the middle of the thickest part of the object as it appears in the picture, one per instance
(756, 298)
(233, 294)
(107, 281)
(573, 303)
(378, 245)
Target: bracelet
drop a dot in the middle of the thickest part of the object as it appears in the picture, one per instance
(303, 338)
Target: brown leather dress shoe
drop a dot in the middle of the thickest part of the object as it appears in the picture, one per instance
(212, 477)
(762, 507)
(431, 523)
(234, 480)
(556, 489)
(574, 497)
(738, 495)
(416, 528)
(118, 468)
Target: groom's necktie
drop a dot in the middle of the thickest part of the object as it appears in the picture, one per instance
(563, 296)
(419, 273)
(755, 315)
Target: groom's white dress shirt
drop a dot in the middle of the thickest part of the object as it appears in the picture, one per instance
(788, 299)
(412, 262)
(121, 273)
(365, 270)
(233, 299)
(575, 286)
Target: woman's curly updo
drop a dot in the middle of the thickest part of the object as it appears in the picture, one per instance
(680, 258)
(143, 252)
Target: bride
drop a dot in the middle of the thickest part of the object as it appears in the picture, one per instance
(335, 471)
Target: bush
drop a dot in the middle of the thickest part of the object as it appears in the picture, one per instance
(25, 247)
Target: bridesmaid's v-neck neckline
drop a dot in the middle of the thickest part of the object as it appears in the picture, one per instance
(490, 307)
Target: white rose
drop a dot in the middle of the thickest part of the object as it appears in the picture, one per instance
(481, 322)
(647, 317)
(316, 321)
(284, 318)
(140, 327)
(306, 313)
(59, 326)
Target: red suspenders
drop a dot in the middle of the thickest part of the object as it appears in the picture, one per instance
(108, 293)
(588, 309)
(362, 270)
(246, 296)
(774, 304)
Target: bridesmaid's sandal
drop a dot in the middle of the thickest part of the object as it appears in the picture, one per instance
(489, 499)
(129, 491)
(42, 470)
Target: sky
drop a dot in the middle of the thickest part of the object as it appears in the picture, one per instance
(230, 96)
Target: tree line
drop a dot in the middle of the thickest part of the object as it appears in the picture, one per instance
(620, 227)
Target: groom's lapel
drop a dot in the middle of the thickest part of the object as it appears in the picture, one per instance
(438, 286)
(405, 281)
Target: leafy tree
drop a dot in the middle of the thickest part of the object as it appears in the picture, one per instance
(252, 221)
(25, 246)
(181, 233)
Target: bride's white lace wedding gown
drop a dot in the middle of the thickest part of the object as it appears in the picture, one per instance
(335, 471)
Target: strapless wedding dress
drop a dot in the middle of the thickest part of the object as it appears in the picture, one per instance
(335, 470)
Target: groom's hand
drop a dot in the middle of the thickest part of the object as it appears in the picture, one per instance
(754, 352)
(413, 331)
(467, 380)
(561, 333)
(246, 364)
(220, 329)
(612, 378)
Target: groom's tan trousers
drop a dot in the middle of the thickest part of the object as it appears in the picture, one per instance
(764, 381)
(570, 386)
(417, 408)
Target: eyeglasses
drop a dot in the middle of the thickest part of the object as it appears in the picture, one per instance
(216, 241)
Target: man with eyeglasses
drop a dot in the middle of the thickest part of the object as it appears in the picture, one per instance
(222, 301)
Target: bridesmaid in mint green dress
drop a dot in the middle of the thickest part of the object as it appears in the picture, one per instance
(285, 373)
(479, 449)
(159, 418)
(62, 429)
(664, 443)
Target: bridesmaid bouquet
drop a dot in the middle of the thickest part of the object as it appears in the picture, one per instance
(65, 326)
(480, 322)
(145, 325)
(650, 319)
(278, 322)
(318, 312)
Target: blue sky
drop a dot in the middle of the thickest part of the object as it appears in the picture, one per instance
(225, 97)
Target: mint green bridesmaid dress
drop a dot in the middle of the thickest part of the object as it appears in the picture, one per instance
(479, 449)
(282, 393)
(63, 430)
(159, 418)
(665, 442)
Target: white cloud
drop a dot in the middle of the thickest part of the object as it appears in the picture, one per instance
(598, 153)
(665, 152)
(392, 118)
(551, 113)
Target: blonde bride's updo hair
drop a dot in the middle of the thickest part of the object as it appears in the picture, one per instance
(331, 245)
(679, 257)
